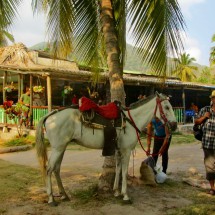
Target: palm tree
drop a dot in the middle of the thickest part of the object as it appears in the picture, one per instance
(8, 11)
(4, 37)
(184, 69)
(97, 29)
(212, 53)
(206, 75)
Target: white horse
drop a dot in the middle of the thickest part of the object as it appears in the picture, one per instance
(65, 126)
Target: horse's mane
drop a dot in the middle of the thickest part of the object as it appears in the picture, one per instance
(141, 102)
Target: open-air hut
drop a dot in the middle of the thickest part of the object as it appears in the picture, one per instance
(24, 66)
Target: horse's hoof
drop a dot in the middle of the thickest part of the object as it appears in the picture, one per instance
(117, 194)
(65, 198)
(53, 204)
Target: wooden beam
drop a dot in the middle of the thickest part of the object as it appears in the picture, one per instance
(49, 93)
(184, 105)
(31, 101)
(5, 130)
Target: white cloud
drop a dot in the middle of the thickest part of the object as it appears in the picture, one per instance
(187, 4)
(29, 29)
(192, 47)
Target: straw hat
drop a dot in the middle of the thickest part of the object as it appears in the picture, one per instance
(212, 94)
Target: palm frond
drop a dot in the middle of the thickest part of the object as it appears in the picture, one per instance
(156, 27)
(60, 23)
(8, 12)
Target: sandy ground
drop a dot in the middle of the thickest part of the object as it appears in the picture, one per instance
(181, 158)
(78, 165)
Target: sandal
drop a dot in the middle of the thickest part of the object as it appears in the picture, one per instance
(211, 192)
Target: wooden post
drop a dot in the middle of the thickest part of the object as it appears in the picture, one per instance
(49, 93)
(4, 98)
(184, 106)
(20, 85)
(4, 84)
(31, 101)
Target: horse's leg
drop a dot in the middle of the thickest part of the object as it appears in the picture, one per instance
(62, 192)
(117, 176)
(52, 164)
(125, 162)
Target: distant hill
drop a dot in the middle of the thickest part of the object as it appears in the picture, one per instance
(39, 46)
(132, 61)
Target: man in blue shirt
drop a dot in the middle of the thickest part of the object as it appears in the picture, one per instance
(162, 139)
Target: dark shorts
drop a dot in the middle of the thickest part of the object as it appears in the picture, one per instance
(209, 161)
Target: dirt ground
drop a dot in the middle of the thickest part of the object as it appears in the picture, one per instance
(82, 168)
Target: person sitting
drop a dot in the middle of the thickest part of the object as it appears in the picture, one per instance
(74, 100)
(194, 108)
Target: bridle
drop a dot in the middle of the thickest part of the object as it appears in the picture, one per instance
(158, 106)
(163, 116)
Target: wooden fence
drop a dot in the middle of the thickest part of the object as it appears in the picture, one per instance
(39, 112)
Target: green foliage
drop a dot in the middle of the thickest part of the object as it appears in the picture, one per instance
(212, 52)
(184, 68)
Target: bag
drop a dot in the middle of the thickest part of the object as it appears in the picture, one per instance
(160, 176)
(197, 131)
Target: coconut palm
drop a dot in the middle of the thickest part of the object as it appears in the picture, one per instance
(212, 53)
(184, 68)
(4, 37)
(8, 12)
(97, 29)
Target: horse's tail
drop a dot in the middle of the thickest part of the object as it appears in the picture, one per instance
(40, 145)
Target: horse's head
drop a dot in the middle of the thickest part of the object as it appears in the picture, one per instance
(165, 112)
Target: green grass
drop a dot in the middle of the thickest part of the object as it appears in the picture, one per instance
(178, 138)
(19, 141)
(16, 181)
(86, 195)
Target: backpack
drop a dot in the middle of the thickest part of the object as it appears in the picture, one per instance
(197, 129)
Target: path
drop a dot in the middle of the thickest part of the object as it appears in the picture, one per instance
(181, 158)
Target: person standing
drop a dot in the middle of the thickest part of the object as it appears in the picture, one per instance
(25, 101)
(206, 117)
(162, 139)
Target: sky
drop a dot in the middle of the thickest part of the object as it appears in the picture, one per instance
(199, 16)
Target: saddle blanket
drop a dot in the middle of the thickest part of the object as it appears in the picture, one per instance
(109, 111)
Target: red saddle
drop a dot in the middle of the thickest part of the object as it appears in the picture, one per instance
(109, 111)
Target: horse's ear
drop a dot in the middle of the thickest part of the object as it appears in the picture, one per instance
(157, 94)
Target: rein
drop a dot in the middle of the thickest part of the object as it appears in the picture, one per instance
(131, 121)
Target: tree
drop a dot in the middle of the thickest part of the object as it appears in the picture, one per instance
(212, 53)
(184, 69)
(8, 11)
(4, 37)
(97, 30)
(206, 76)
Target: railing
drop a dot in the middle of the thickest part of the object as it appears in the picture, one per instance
(39, 112)
(179, 114)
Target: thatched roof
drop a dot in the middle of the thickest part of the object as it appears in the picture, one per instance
(16, 55)
(18, 59)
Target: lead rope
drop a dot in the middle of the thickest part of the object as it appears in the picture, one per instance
(133, 153)
(158, 103)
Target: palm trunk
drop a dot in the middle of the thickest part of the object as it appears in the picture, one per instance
(116, 82)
